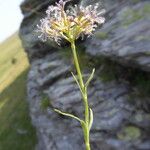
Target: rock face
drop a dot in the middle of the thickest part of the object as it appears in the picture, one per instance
(121, 111)
(125, 37)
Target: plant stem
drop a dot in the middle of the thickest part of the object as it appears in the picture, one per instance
(84, 96)
(77, 64)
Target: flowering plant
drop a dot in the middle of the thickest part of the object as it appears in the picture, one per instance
(70, 24)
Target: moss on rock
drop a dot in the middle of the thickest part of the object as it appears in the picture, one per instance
(102, 35)
(45, 102)
(129, 133)
(130, 16)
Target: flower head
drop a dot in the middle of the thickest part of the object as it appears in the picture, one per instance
(70, 24)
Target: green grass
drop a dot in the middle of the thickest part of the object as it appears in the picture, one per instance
(16, 130)
(45, 103)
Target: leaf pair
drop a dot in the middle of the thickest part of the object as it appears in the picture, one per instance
(76, 118)
(88, 81)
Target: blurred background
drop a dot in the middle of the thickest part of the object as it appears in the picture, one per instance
(35, 77)
(16, 131)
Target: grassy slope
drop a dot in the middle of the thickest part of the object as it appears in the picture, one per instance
(16, 131)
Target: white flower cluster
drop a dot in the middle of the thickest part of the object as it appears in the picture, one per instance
(70, 24)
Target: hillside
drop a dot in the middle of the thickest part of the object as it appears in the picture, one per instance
(16, 131)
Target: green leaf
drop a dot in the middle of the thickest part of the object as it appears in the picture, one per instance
(91, 119)
(68, 114)
(90, 78)
(77, 82)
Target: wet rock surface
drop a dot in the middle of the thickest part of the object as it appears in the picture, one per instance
(120, 118)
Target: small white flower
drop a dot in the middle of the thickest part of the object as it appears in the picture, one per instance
(70, 24)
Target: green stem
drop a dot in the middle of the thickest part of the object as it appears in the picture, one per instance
(77, 64)
(84, 96)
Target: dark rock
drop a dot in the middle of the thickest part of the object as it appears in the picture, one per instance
(125, 37)
(109, 101)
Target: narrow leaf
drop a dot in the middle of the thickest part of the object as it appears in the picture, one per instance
(91, 119)
(77, 82)
(68, 114)
(90, 78)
